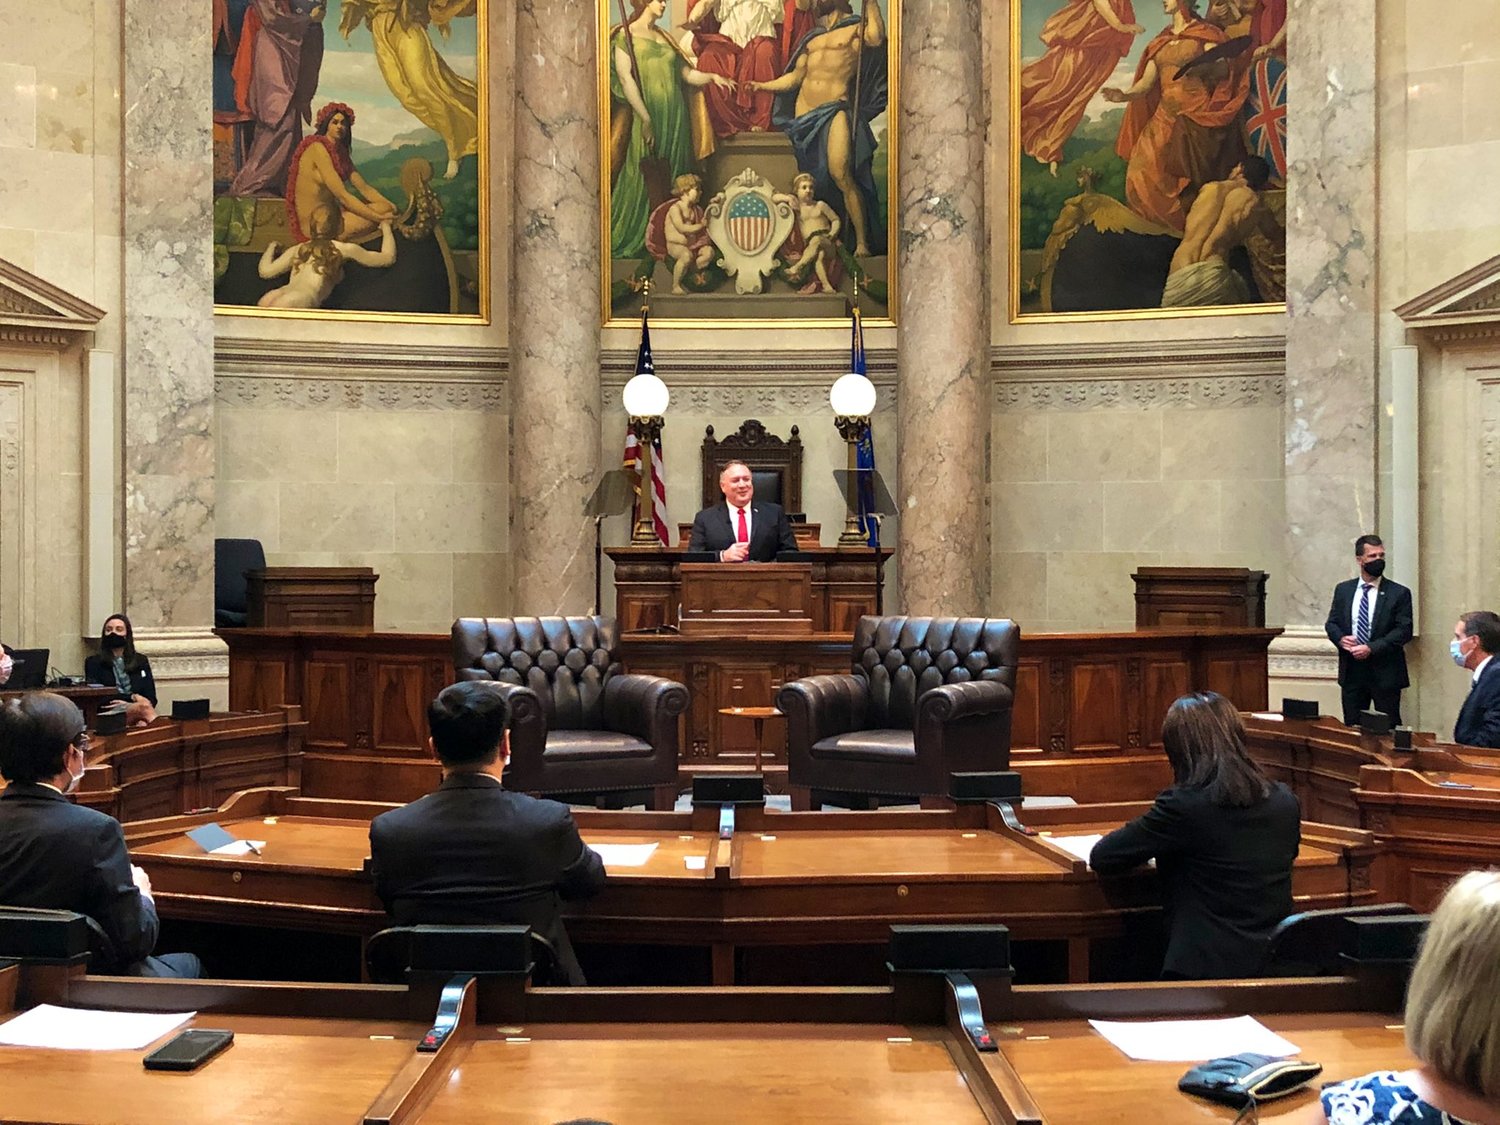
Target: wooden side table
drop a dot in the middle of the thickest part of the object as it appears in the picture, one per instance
(758, 716)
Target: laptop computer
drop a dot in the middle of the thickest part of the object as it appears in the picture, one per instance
(30, 669)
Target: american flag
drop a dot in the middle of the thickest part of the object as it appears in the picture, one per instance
(632, 461)
(749, 222)
(1265, 110)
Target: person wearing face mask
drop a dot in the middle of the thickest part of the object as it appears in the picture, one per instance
(55, 855)
(7, 665)
(118, 665)
(1476, 639)
(1370, 621)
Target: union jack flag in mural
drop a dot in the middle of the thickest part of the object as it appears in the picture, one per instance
(1265, 113)
(749, 221)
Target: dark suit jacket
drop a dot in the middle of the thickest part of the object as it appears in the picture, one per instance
(472, 853)
(55, 855)
(1226, 875)
(770, 531)
(100, 669)
(1479, 718)
(1390, 628)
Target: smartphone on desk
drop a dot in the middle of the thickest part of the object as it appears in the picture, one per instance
(188, 1050)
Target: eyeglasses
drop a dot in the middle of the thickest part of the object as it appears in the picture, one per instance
(81, 741)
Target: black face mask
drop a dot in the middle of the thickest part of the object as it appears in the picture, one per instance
(112, 640)
(1375, 568)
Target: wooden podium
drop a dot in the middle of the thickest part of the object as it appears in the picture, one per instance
(746, 599)
(312, 597)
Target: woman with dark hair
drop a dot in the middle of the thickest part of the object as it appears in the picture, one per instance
(1224, 838)
(118, 665)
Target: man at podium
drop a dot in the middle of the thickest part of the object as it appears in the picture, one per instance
(742, 528)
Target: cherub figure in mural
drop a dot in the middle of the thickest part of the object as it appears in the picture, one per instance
(1086, 39)
(818, 230)
(1268, 29)
(680, 230)
(842, 61)
(659, 129)
(317, 265)
(431, 90)
(275, 75)
(738, 40)
(320, 166)
(1180, 128)
(1226, 214)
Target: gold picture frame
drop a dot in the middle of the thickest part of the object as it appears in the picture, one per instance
(621, 307)
(1127, 255)
(442, 226)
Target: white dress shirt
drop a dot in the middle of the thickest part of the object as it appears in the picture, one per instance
(1359, 591)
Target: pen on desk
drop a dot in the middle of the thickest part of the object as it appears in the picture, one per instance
(249, 844)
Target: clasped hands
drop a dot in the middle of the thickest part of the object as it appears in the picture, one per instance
(1354, 648)
(738, 552)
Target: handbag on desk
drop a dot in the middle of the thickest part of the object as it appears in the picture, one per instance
(1244, 1080)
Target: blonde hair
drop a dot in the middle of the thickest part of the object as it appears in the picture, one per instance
(1453, 1001)
(801, 177)
(686, 183)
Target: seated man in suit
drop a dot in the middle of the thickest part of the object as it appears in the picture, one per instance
(55, 855)
(1476, 639)
(742, 528)
(472, 853)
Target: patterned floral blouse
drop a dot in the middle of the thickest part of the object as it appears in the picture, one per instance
(1377, 1099)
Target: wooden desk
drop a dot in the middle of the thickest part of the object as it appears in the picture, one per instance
(88, 698)
(674, 1056)
(170, 767)
(1078, 696)
(1064, 1063)
(311, 597)
(785, 880)
(844, 582)
(1434, 810)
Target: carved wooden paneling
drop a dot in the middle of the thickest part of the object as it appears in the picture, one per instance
(326, 704)
(1163, 680)
(1026, 715)
(739, 685)
(1096, 718)
(1240, 679)
(401, 696)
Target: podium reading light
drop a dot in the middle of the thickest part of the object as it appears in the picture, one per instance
(852, 397)
(645, 399)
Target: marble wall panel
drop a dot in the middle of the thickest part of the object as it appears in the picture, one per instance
(385, 488)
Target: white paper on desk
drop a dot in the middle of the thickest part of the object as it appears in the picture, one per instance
(239, 847)
(624, 855)
(1193, 1040)
(81, 1029)
(1269, 716)
(1078, 846)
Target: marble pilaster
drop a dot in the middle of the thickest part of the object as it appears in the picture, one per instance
(168, 318)
(943, 366)
(1331, 354)
(554, 311)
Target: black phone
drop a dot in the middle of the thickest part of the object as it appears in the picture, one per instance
(189, 1049)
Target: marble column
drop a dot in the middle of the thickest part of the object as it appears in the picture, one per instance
(554, 309)
(1332, 367)
(168, 332)
(943, 370)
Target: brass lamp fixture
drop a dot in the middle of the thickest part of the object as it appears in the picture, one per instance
(852, 397)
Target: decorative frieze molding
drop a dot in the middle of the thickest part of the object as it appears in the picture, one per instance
(1142, 393)
(303, 375)
(183, 654)
(1303, 654)
(33, 311)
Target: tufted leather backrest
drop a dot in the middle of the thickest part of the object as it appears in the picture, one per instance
(903, 657)
(565, 660)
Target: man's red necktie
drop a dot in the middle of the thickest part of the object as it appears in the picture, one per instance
(744, 533)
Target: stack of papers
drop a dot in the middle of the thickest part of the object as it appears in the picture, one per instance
(82, 1029)
(1194, 1040)
(624, 855)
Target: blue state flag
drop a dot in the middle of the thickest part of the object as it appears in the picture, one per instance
(864, 450)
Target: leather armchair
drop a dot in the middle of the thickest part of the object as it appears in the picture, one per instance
(928, 697)
(580, 728)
